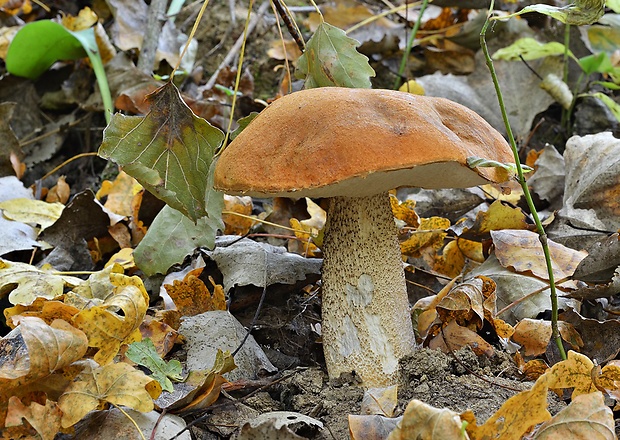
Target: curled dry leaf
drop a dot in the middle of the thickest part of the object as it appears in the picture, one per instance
(45, 419)
(119, 384)
(236, 224)
(423, 421)
(586, 418)
(34, 350)
(105, 327)
(192, 297)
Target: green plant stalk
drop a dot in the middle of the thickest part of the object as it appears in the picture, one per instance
(414, 31)
(102, 82)
(555, 334)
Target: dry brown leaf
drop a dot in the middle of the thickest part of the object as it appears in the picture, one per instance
(425, 422)
(305, 243)
(119, 384)
(105, 327)
(380, 401)
(454, 337)
(586, 418)
(420, 239)
(59, 192)
(45, 419)
(370, 427)
(162, 335)
(522, 251)
(533, 335)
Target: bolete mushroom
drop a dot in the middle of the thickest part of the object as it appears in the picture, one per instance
(352, 146)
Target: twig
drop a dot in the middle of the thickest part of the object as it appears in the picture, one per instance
(542, 235)
(154, 22)
(290, 24)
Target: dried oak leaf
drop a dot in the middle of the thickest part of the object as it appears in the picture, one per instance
(192, 297)
(45, 419)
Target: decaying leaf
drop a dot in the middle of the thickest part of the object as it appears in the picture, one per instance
(423, 421)
(192, 297)
(106, 328)
(120, 384)
(27, 283)
(45, 419)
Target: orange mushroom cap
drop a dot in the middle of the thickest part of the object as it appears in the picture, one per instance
(334, 141)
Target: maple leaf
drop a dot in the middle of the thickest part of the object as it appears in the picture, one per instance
(119, 384)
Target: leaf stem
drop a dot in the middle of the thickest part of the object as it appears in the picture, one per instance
(555, 334)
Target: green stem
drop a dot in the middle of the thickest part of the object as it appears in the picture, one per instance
(102, 82)
(566, 112)
(555, 334)
(414, 31)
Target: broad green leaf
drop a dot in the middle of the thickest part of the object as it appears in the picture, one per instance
(607, 84)
(172, 237)
(529, 49)
(614, 5)
(613, 105)
(40, 44)
(144, 353)
(599, 63)
(578, 13)
(169, 151)
(331, 60)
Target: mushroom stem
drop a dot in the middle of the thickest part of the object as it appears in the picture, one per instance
(366, 321)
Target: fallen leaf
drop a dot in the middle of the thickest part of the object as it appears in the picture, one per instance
(192, 297)
(420, 239)
(32, 211)
(143, 353)
(423, 421)
(119, 193)
(587, 417)
(119, 384)
(45, 419)
(169, 151)
(522, 251)
(236, 224)
(380, 401)
(27, 283)
(106, 328)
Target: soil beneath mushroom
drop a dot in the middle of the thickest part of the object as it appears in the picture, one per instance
(457, 381)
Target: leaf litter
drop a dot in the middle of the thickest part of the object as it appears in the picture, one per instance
(499, 306)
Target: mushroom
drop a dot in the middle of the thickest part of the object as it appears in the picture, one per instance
(352, 146)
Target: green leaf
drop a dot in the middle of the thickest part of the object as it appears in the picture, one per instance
(144, 353)
(172, 236)
(530, 49)
(475, 162)
(613, 105)
(243, 122)
(331, 60)
(599, 63)
(607, 85)
(40, 44)
(614, 5)
(579, 13)
(169, 151)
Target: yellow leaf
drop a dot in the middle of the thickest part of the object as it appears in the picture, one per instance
(575, 372)
(422, 421)
(32, 211)
(48, 311)
(31, 282)
(120, 384)
(517, 416)
(236, 224)
(105, 327)
(45, 419)
(421, 239)
(47, 348)
(120, 194)
(85, 19)
(192, 297)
